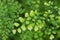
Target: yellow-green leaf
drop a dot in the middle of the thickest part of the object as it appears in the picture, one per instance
(19, 30)
(16, 24)
(14, 31)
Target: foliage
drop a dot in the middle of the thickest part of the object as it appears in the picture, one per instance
(9, 12)
(29, 20)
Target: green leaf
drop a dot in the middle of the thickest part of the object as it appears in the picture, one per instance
(23, 27)
(58, 33)
(16, 24)
(26, 15)
(51, 37)
(30, 27)
(14, 31)
(19, 30)
(32, 13)
(36, 28)
(21, 19)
